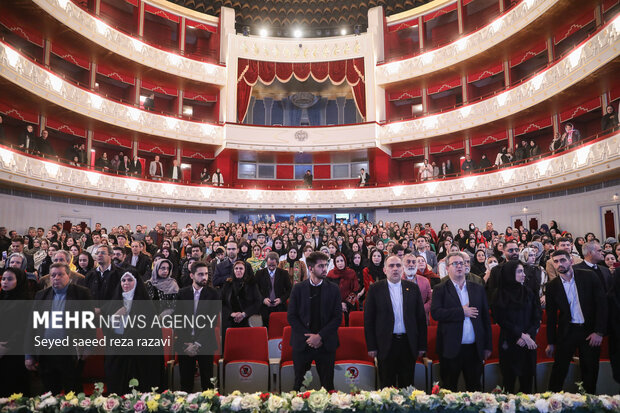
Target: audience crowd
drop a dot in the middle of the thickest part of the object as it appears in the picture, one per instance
(253, 266)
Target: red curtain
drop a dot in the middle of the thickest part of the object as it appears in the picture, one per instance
(250, 71)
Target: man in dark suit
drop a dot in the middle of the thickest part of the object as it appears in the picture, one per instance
(395, 325)
(315, 313)
(224, 269)
(141, 262)
(103, 279)
(464, 337)
(190, 301)
(175, 174)
(60, 372)
(421, 248)
(135, 167)
(579, 297)
(27, 141)
(364, 177)
(274, 285)
(592, 257)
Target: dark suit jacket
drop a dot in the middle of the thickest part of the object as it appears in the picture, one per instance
(447, 310)
(135, 167)
(224, 270)
(281, 285)
(179, 173)
(299, 315)
(42, 302)
(601, 272)
(185, 306)
(379, 318)
(366, 179)
(102, 290)
(592, 300)
(142, 266)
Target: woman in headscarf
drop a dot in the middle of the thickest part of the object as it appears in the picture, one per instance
(257, 260)
(296, 269)
(357, 264)
(240, 298)
(85, 263)
(14, 376)
(244, 251)
(515, 309)
(536, 276)
(374, 271)
(278, 247)
(478, 264)
(41, 252)
(346, 279)
(162, 287)
(132, 299)
(539, 249)
(470, 248)
(423, 269)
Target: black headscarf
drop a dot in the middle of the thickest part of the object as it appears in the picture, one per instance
(244, 255)
(510, 293)
(478, 268)
(282, 251)
(21, 291)
(376, 271)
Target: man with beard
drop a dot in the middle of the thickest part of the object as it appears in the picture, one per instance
(410, 274)
(511, 253)
(193, 300)
(579, 297)
(315, 313)
(224, 269)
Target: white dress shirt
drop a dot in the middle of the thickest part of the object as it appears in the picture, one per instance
(469, 337)
(396, 296)
(570, 288)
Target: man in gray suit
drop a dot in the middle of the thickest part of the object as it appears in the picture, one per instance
(421, 248)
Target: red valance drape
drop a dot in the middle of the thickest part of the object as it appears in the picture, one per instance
(251, 71)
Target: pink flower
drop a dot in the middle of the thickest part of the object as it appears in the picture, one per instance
(85, 403)
(139, 406)
(111, 404)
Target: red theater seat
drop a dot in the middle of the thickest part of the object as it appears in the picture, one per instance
(356, 319)
(287, 373)
(492, 376)
(277, 322)
(246, 360)
(352, 357)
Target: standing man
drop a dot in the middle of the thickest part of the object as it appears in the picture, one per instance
(308, 179)
(581, 323)
(274, 285)
(175, 172)
(565, 244)
(224, 269)
(156, 170)
(395, 325)
(103, 280)
(410, 273)
(192, 300)
(315, 313)
(135, 168)
(592, 257)
(364, 178)
(464, 337)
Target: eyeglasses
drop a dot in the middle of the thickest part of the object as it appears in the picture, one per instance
(457, 264)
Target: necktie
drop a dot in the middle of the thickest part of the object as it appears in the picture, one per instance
(159, 170)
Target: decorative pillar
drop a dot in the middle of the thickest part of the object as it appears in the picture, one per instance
(228, 94)
(97, 7)
(374, 95)
(137, 91)
(90, 159)
(181, 34)
(424, 101)
(47, 50)
(427, 150)
(421, 33)
(511, 138)
(134, 148)
(507, 76)
(501, 6)
(92, 76)
(340, 102)
(322, 111)
(180, 102)
(42, 122)
(556, 123)
(598, 15)
(465, 89)
(604, 102)
(249, 117)
(460, 16)
(140, 18)
(467, 146)
(550, 50)
(268, 102)
(178, 153)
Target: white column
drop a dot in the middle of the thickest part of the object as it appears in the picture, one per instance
(375, 95)
(228, 95)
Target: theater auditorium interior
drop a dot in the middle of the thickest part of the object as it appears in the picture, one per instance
(446, 173)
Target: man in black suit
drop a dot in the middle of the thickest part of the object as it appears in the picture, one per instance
(175, 174)
(364, 177)
(274, 285)
(315, 313)
(592, 257)
(188, 342)
(103, 279)
(464, 337)
(511, 253)
(395, 325)
(579, 297)
(60, 372)
(141, 262)
(135, 167)
(224, 269)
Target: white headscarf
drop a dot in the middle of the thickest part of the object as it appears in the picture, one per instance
(128, 296)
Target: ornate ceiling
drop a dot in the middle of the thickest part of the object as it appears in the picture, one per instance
(285, 14)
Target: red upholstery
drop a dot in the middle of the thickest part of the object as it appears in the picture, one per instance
(167, 333)
(352, 345)
(432, 321)
(287, 350)
(246, 344)
(494, 346)
(431, 352)
(605, 348)
(541, 342)
(544, 317)
(277, 322)
(356, 319)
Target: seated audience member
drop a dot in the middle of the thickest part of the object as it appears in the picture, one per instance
(120, 369)
(609, 119)
(240, 298)
(14, 377)
(85, 263)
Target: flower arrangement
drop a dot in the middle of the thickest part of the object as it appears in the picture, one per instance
(388, 399)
